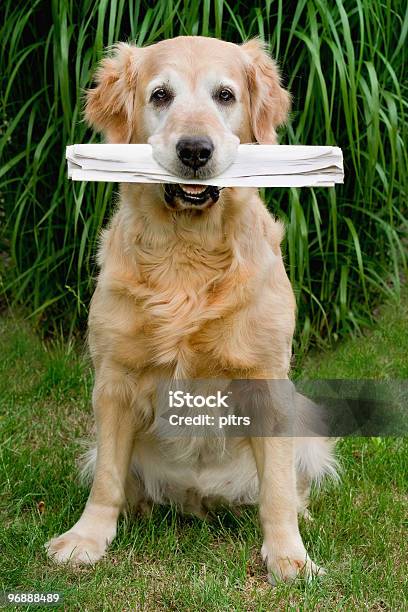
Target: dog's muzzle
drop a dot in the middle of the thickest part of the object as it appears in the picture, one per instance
(190, 196)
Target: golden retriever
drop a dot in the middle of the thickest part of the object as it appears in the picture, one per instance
(192, 285)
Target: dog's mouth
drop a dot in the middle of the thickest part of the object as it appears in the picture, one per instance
(190, 196)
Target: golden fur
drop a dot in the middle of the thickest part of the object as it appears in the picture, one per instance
(190, 293)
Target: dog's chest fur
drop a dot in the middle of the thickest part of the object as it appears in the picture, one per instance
(191, 303)
(184, 293)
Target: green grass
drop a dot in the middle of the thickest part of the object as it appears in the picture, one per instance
(380, 353)
(170, 562)
(345, 64)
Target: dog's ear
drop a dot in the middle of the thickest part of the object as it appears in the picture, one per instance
(270, 102)
(110, 106)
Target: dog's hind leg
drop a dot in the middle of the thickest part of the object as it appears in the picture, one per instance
(303, 485)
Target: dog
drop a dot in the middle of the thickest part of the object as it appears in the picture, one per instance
(192, 285)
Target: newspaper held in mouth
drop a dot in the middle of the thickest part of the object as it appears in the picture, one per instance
(254, 166)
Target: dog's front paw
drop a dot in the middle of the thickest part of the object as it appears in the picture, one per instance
(288, 565)
(70, 547)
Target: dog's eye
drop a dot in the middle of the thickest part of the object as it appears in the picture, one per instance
(161, 95)
(225, 95)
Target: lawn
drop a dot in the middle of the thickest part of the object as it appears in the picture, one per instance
(170, 562)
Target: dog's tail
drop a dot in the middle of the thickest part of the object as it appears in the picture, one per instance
(87, 463)
(315, 453)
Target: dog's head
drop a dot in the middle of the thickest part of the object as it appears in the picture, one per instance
(194, 99)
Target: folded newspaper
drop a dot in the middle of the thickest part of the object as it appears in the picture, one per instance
(254, 166)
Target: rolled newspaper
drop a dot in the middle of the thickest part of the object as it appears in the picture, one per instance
(254, 166)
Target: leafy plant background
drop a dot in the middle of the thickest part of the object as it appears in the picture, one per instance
(344, 63)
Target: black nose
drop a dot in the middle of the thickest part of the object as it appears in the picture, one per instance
(194, 152)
